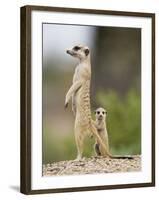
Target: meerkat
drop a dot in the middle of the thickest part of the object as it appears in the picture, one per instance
(100, 123)
(80, 94)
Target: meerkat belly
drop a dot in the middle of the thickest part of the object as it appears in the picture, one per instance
(83, 114)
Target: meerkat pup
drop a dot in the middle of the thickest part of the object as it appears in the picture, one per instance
(100, 123)
(79, 92)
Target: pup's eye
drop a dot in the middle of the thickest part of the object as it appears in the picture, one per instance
(103, 112)
(76, 48)
(98, 112)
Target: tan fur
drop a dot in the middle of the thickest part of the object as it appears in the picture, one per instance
(80, 94)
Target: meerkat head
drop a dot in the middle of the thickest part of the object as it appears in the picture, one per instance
(100, 114)
(79, 51)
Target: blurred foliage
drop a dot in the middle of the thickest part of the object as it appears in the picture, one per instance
(123, 123)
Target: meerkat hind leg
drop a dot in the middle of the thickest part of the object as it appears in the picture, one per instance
(79, 143)
(96, 148)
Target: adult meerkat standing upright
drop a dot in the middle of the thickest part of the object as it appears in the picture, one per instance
(80, 94)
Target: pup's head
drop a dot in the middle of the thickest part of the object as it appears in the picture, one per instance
(100, 114)
(79, 51)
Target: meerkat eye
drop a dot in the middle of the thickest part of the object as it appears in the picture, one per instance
(86, 52)
(103, 112)
(76, 48)
(98, 112)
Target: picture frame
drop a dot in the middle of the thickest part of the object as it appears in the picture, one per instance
(28, 70)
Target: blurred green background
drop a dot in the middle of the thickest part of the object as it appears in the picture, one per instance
(116, 84)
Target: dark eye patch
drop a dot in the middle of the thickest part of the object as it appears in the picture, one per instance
(103, 112)
(98, 112)
(76, 48)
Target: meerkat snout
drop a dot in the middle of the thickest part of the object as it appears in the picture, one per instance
(70, 52)
(67, 51)
(100, 113)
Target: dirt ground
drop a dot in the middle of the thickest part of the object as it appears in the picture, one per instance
(92, 165)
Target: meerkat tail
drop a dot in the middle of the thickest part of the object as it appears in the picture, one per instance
(104, 150)
(121, 157)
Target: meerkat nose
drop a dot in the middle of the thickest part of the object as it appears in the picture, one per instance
(67, 51)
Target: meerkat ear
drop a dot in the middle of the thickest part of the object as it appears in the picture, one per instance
(86, 52)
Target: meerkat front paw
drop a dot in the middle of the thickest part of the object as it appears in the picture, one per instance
(66, 104)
